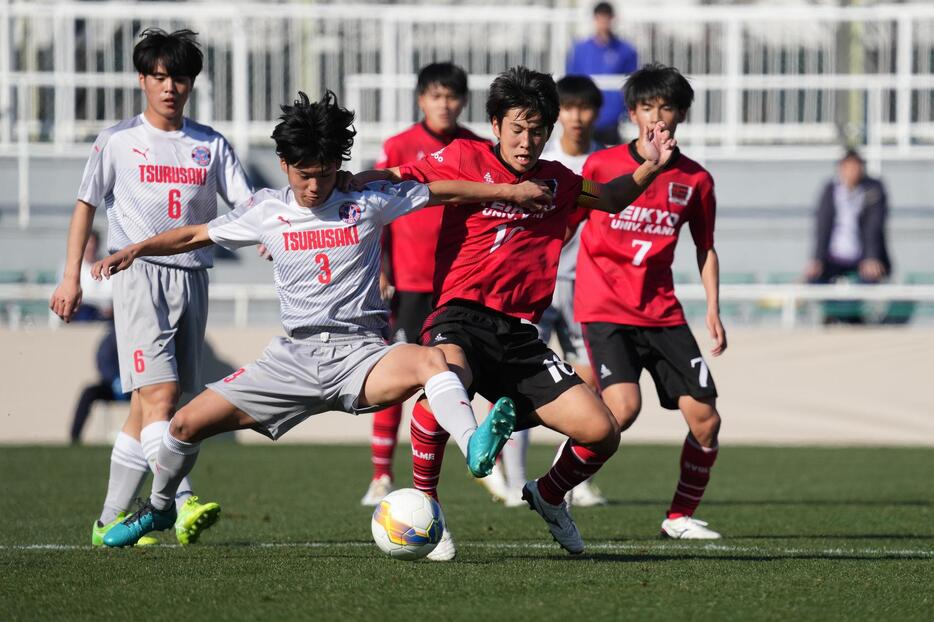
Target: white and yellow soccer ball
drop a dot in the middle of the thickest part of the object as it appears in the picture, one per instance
(407, 524)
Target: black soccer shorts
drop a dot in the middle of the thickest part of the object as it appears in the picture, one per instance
(505, 355)
(619, 353)
(409, 311)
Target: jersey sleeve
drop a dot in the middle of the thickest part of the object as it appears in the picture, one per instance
(396, 200)
(443, 164)
(242, 226)
(232, 183)
(702, 221)
(99, 174)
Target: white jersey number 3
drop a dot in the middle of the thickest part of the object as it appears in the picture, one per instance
(644, 246)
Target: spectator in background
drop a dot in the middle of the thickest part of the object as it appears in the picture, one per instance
(604, 53)
(850, 233)
(107, 388)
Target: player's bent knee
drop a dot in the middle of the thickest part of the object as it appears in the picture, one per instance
(433, 361)
(181, 427)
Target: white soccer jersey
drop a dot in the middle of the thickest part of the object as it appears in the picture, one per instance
(326, 260)
(152, 181)
(567, 264)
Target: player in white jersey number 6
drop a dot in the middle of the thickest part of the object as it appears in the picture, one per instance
(152, 173)
(325, 245)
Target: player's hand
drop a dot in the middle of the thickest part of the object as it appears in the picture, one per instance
(533, 196)
(66, 299)
(386, 289)
(658, 144)
(871, 270)
(108, 266)
(814, 269)
(263, 251)
(717, 333)
(344, 181)
(359, 181)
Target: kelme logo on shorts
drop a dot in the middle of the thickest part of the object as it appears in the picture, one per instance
(350, 212)
(201, 155)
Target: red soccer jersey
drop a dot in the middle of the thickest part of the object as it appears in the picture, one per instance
(624, 265)
(497, 254)
(411, 240)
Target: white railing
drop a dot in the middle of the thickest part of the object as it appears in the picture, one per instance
(773, 82)
(789, 298)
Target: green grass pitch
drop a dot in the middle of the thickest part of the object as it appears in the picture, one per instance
(811, 534)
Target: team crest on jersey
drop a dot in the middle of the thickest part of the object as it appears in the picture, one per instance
(679, 194)
(201, 155)
(350, 212)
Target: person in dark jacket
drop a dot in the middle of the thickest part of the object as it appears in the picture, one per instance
(850, 221)
(107, 388)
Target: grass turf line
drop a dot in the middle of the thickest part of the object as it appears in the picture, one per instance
(828, 533)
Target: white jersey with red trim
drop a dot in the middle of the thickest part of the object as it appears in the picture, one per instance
(326, 259)
(151, 181)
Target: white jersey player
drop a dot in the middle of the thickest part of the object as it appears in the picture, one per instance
(325, 245)
(580, 106)
(153, 173)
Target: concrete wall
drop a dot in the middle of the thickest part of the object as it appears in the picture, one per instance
(843, 386)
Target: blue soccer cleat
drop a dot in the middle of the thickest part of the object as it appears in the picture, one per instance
(490, 436)
(137, 525)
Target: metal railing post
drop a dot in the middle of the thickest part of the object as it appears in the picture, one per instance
(903, 72)
(240, 87)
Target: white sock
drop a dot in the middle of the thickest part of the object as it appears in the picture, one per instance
(451, 406)
(174, 461)
(514, 452)
(151, 439)
(128, 469)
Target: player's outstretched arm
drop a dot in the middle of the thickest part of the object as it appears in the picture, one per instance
(172, 242)
(67, 296)
(530, 195)
(359, 181)
(658, 145)
(709, 265)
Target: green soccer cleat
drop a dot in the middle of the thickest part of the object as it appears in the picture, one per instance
(138, 524)
(194, 518)
(488, 440)
(98, 532)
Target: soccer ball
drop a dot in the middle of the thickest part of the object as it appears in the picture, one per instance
(407, 524)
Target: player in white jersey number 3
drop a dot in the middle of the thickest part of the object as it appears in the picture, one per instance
(325, 245)
(153, 173)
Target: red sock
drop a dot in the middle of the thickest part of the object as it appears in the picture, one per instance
(575, 464)
(696, 462)
(428, 442)
(383, 440)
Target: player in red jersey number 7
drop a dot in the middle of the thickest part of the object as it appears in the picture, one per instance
(625, 297)
(496, 270)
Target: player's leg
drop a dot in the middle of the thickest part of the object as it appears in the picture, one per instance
(207, 415)
(128, 470)
(410, 312)
(593, 438)
(684, 382)
(407, 368)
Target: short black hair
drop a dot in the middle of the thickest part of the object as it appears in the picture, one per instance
(656, 81)
(445, 74)
(521, 87)
(314, 134)
(852, 154)
(579, 91)
(178, 52)
(604, 8)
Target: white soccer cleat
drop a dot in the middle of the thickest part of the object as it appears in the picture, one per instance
(688, 528)
(379, 488)
(562, 527)
(585, 495)
(445, 551)
(495, 483)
